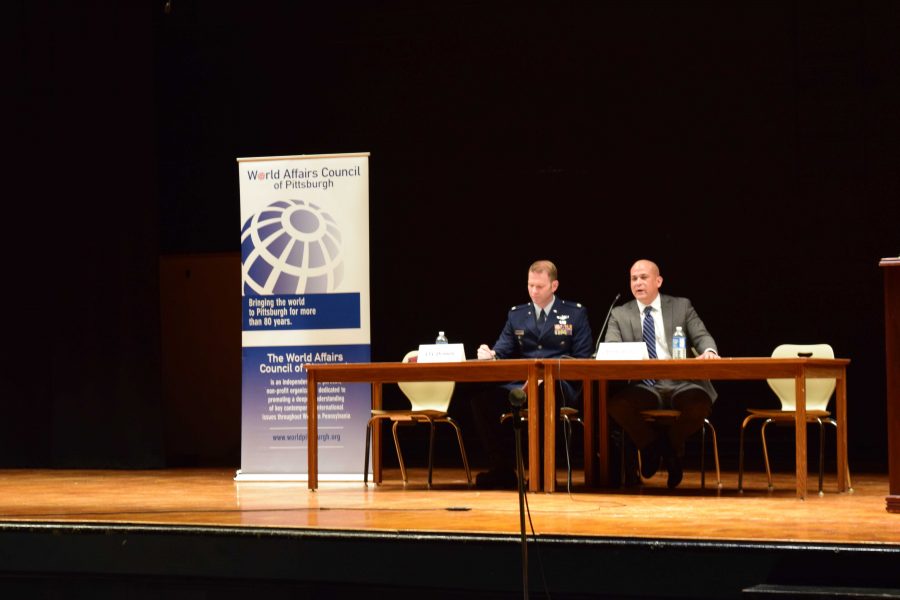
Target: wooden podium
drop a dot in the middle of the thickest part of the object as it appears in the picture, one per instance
(891, 267)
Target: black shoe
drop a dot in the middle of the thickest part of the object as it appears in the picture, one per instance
(676, 473)
(650, 458)
(631, 479)
(499, 479)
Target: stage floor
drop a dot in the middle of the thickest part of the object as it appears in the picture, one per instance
(210, 498)
(189, 533)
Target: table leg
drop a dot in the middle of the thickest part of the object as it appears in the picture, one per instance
(534, 432)
(312, 433)
(376, 436)
(549, 430)
(602, 421)
(590, 447)
(841, 416)
(800, 435)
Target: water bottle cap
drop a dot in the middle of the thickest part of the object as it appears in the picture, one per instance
(442, 333)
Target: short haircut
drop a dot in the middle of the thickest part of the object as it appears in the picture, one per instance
(544, 266)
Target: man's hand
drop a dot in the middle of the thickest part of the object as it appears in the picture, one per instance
(709, 354)
(485, 353)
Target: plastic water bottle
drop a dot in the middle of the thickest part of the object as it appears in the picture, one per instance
(441, 338)
(679, 347)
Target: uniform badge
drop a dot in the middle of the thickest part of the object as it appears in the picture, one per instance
(562, 328)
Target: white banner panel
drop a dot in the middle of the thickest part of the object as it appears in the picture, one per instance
(305, 290)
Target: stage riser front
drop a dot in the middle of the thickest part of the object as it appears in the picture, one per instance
(93, 558)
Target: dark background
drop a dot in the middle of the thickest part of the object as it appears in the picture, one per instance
(750, 148)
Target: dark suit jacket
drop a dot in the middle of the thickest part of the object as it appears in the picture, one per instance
(625, 326)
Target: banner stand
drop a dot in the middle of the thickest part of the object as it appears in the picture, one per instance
(305, 300)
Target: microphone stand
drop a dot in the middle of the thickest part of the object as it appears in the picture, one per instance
(517, 398)
(605, 323)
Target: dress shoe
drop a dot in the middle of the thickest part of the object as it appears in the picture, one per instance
(497, 479)
(650, 459)
(631, 478)
(676, 473)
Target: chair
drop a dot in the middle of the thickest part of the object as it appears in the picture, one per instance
(664, 416)
(818, 393)
(567, 416)
(429, 401)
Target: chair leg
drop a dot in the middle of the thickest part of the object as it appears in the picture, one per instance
(430, 451)
(567, 434)
(833, 423)
(366, 465)
(821, 455)
(703, 455)
(766, 453)
(462, 448)
(570, 421)
(399, 453)
(715, 444)
(741, 454)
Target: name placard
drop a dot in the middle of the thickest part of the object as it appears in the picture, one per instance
(622, 351)
(441, 353)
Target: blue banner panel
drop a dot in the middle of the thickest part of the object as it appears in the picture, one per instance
(274, 418)
(303, 311)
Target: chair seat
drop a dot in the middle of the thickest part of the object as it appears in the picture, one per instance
(408, 415)
(566, 412)
(818, 394)
(666, 416)
(567, 415)
(786, 415)
(429, 403)
(661, 413)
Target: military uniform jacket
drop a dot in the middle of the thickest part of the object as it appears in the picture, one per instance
(566, 332)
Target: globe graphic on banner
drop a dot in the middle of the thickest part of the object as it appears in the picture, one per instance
(291, 247)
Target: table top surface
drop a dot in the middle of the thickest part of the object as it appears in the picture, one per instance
(724, 368)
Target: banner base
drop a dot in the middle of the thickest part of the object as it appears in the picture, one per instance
(240, 476)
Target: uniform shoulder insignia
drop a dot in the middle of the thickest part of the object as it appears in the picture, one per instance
(578, 304)
(518, 306)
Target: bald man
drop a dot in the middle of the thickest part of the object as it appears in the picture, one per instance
(694, 399)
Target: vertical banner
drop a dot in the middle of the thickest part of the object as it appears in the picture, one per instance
(305, 290)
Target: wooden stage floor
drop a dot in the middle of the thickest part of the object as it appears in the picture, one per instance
(140, 530)
(210, 497)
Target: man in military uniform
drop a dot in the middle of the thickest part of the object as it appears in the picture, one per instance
(546, 327)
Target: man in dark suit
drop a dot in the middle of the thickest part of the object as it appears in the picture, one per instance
(652, 318)
(546, 327)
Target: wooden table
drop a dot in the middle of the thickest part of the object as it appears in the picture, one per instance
(798, 369)
(379, 373)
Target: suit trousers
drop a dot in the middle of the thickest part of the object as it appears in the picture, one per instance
(687, 397)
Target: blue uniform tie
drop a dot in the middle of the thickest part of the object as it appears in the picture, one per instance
(649, 338)
(542, 318)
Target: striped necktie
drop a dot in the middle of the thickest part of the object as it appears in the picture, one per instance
(649, 334)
